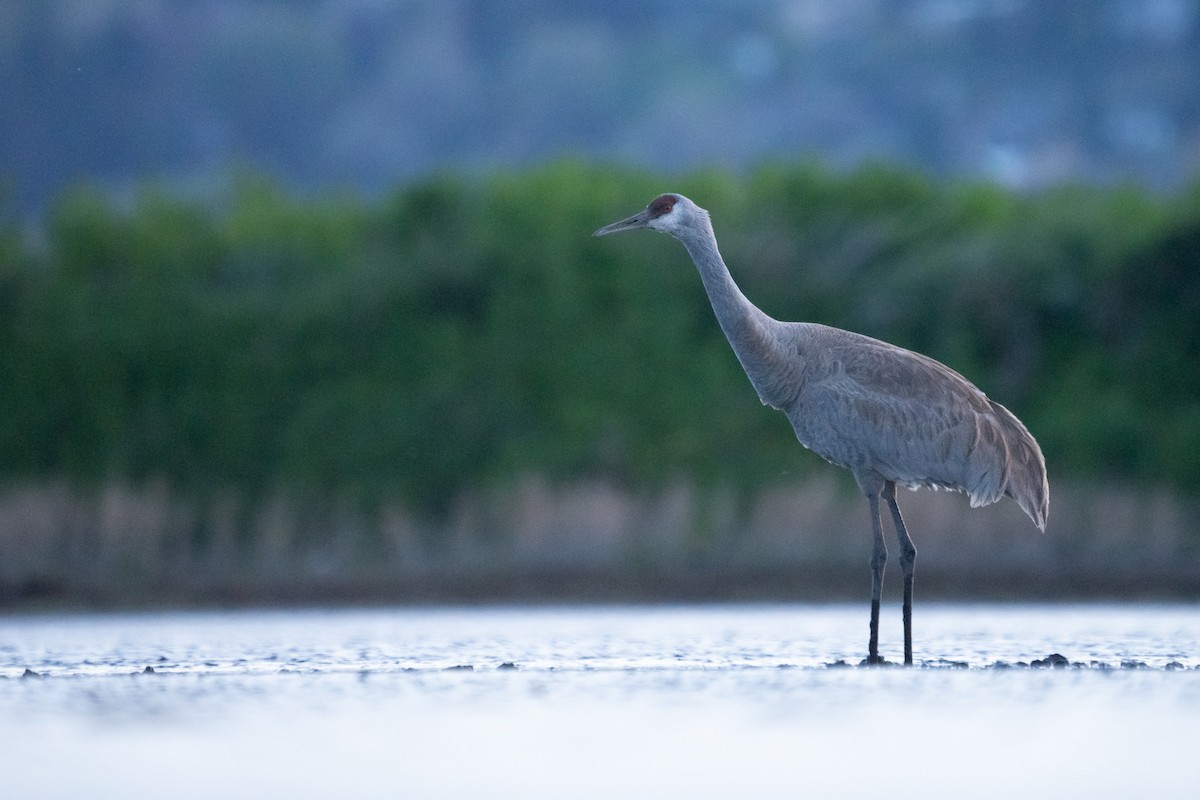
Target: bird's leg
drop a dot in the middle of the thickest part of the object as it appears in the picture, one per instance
(878, 561)
(908, 558)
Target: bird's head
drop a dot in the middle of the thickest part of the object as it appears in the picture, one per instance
(668, 213)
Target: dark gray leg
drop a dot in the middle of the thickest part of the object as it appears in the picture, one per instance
(908, 558)
(878, 561)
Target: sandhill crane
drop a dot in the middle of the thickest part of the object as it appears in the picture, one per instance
(889, 415)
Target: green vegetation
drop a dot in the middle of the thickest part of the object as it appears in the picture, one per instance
(462, 333)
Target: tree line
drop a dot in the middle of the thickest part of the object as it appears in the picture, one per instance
(468, 330)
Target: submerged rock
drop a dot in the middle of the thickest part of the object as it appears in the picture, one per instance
(1054, 660)
(946, 663)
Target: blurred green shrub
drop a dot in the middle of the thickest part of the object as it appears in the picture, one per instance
(462, 332)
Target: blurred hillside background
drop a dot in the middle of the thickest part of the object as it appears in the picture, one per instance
(298, 300)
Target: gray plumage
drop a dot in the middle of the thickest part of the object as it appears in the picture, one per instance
(891, 416)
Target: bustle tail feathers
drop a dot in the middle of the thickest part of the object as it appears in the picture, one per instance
(1026, 480)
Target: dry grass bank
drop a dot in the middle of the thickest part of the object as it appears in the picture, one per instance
(145, 545)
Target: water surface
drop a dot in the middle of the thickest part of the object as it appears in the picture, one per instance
(676, 701)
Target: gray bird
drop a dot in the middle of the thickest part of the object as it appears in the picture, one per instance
(891, 416)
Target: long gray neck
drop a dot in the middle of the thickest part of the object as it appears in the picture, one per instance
(757, 339)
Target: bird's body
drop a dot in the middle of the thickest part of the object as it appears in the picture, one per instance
(877, 409)
(890, 416)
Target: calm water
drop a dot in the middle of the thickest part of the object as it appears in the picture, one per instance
(724, 701)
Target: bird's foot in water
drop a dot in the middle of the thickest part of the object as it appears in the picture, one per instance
(876, 661)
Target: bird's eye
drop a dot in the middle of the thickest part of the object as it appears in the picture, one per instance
(662, 205)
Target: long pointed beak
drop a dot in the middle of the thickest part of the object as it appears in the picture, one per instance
(638, 220)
